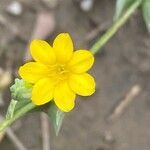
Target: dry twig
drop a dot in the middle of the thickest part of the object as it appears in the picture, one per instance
(11, 28)
(45, 132)
(130, 96)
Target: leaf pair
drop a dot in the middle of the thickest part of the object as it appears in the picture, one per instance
(123, 5)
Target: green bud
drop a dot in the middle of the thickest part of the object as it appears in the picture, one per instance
(21, 95)
(21, 90)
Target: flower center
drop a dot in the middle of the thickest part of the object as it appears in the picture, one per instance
(59, 72)
(61, 69)
(62, 72)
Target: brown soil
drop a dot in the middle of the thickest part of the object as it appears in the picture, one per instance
(124, 62)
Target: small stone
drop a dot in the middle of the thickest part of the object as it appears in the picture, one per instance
(14, 8)
(86, 5)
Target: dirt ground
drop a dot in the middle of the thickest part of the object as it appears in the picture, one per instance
(123, 63)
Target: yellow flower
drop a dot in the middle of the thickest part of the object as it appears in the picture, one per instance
(58, 73)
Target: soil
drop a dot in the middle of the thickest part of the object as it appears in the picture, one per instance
(124, 62)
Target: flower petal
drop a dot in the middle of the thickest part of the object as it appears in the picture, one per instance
(64, 97)
(63, 47)
(43, 91)
(82, 84)
(81, 61)
(42, 52)
(33, 71)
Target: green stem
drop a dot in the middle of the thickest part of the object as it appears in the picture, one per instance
(6, 123)
(114, 28)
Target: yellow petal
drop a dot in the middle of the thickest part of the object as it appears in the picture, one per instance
(43, 91)
(81, 61)
(82, 84)
(64, 97)
(63, 47)
(33, 71)
(42, 52)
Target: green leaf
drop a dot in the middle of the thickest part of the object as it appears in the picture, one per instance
(56, 117)
(121, 7)
(146, 13)
(11, 109)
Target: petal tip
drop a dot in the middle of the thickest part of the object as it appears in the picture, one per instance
(64, 35)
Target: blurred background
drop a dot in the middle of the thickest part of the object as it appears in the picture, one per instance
(117, 116)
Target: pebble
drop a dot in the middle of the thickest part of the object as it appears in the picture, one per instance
(14, 8)
(86, 5)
